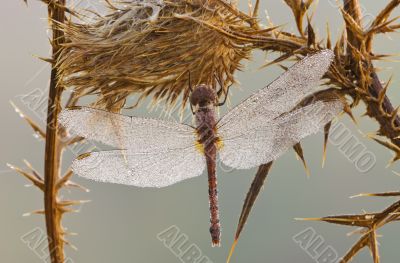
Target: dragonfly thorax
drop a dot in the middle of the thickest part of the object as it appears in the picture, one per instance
(203, 96)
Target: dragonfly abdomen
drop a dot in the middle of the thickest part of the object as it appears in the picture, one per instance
(205, 118)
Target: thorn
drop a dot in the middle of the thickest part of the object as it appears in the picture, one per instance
(232, 250)
(34, 172)
(31, 123)
(75, 202)
(37, 212)
(37, 181)
(396, 173)
(349, 112)
(72, 184)
(278, 60)
(357, 231)
(374, 245)
(64, 210)
(309, 219)
(395, 158)
(368, 135)
(382, 93)
(358, 195)
(392, 147)
(327, 127)
(64, 179)
(299, 151)
(69, 244)
(328, 39)
(394, 114)
(256, 8)
(70, 234)
(385, 194)
(48, 60)
(363, 195)
(310, 34)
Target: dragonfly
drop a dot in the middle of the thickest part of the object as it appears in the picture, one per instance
(159, 153)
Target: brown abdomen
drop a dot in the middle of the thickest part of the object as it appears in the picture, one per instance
(205, 119)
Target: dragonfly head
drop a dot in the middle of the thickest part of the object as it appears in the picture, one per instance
(203, 96)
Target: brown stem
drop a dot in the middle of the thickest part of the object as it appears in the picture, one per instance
(375, 89)
(374, 108)
(53, 147)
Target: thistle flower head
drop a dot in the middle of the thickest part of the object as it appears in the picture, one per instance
(151, 48)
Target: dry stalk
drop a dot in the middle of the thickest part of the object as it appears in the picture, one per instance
(53, 149)
(56, 139)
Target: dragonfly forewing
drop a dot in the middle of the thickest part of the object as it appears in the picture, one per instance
(282, 94)
(125, 132)
(269, 139)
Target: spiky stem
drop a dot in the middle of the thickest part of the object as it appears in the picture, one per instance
(352, 7)
(53, 148)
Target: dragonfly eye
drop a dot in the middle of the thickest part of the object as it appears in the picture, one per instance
(202, 96)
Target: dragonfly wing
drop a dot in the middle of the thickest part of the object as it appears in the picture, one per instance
(157, 169)
(125, 132)
(152, 153)
(246, 148)
(99, 125)
(283, 93)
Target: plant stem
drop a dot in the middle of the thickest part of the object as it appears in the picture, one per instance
(53, 147)
(374, 109)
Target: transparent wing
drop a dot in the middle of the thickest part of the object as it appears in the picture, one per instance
(125, 132)
(246, 148)
(155, 169)
(99, 125)
(282, 94)
(153, 153)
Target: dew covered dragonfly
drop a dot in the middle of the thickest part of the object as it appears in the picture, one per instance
(158, 153)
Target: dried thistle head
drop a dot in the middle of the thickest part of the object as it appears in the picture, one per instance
(149, 47)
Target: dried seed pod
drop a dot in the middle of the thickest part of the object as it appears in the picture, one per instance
(149, 48)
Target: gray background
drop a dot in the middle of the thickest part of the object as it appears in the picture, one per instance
(121, 223)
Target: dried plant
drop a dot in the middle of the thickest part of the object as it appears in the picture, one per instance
(368, 224)
(56, 140)
(150, 48)
(354, 75)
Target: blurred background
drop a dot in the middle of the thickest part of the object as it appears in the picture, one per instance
(122, 223)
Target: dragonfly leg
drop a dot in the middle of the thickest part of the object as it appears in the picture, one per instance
(221, 85)
(191, 91)
(190, 83)
(226, 96)
(191, 108)
(221, 89)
